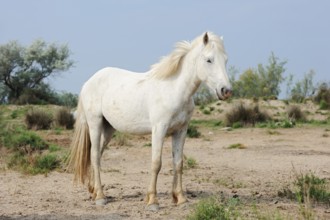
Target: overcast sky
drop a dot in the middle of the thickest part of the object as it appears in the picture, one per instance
(135, 34)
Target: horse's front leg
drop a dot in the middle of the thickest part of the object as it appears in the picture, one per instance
(178, 140)
(158, 135)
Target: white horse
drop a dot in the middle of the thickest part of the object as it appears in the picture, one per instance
(159, 102)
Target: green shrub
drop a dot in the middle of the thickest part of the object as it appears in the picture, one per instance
(245, 115)
(64, 118)
(38, 120)
(24, 141)
(312, 187)
(45, 164)
(211, 208)
(324, 105)
(192, 132)
(322, 96)
(33, 164)
(190, 162)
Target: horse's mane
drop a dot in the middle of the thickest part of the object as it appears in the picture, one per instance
(169, 65)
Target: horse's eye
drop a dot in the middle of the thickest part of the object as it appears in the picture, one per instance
(209, 60)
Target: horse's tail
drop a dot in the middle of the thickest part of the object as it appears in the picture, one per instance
(79, 158)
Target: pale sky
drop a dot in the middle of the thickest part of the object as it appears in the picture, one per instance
(134, 34)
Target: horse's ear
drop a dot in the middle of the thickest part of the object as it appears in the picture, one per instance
(205, 38)
(221, 38)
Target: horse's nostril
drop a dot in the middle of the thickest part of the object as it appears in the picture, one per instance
(225, 91)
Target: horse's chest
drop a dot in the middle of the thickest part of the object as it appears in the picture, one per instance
(181, 117)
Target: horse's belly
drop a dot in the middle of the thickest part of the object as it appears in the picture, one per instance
(130, 126)
(131, 118)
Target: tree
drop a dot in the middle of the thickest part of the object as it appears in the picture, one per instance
(24, 69)
(261, 82)
(304, 88)
(271, 76)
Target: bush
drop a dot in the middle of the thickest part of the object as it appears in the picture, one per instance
(324, 105)
(32, 164)
(190, 162)
(64, 118)
(45, 163)
(192, 132)
(312, 187)
(322, 96)
(38, 120)
(294, 112)
(241, 115)
(211, 208)
(24, 141)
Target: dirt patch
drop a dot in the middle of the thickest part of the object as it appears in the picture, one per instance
(255, 173)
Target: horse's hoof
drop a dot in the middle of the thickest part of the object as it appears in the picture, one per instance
(183, 206)
(100, 202)
(152, 207)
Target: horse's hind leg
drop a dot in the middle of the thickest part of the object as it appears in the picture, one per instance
(99, 135)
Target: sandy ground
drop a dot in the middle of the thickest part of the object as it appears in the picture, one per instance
(255, 175)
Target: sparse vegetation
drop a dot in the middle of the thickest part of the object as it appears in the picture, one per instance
(64, 118)
(190, 162)
(237, 146)
(212, 208)
(120, 139)
(241, 115)
(294, 112)
(193, 132)
(322, 96)
(38, 120)
(311, 187)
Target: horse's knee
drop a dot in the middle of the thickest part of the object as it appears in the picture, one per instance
(156, 165)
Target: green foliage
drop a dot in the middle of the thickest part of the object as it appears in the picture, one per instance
(64, 118)
(45, 163)
(67, 99)
(190, 162)
(32, 164)
(211, 208)
(192, 132)
(304, 88)
(261, 82)
(308, 188)
(241, 115)
(24, 69)
(24, 141)
(206, 123)
(324, 105)
(237, 146)
(312, 187)
(38, 120)
(322, 96)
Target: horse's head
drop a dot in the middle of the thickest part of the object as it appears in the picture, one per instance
(212, 66)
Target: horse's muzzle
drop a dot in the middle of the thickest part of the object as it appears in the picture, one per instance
(224, 93)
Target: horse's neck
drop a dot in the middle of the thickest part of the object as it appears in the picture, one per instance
(187, 82)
